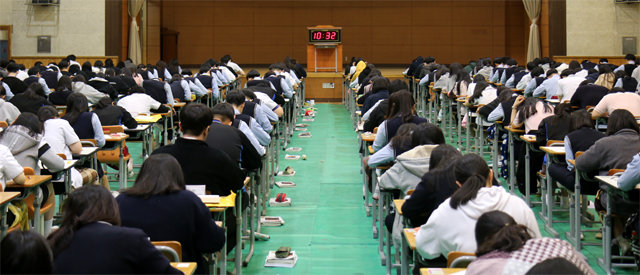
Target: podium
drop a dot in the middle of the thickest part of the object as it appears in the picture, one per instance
(324, 50)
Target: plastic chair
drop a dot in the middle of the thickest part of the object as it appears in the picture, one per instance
(28, 171)
(170, 249)
(4, 124)
(457, 259)
(112, 156)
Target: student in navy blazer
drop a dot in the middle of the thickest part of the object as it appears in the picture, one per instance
(160, 206)
(90, 239)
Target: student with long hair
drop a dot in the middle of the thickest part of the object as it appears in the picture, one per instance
(62, 92)
(31, 99)
(378, 112)
(183, 217)
(607, 77)
(401, 110)
(91, 240)
(450, 226)
(554, 127)
(506, 247)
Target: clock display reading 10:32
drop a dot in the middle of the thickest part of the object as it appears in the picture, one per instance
(324, 36)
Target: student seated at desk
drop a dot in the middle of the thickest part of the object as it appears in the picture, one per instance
(588, 94)
(180, 88)
(537, 77)
(10, 169)
(237, 100)
(91, 240)
(270, 108)
(617, 99)
(203, 165)
(450, 226)
(59, 97)
(34, 77)
(264, 90)
(378, 111)
(614, 151)
(243, 150)
(554, 127)
(379, 91)
(255, 111)
(182, 216)
(549, 87)
(138, 102)
(506, 247)
(24, 138)
(530, 113)
(63, 140)
(109, 114)
(25, 252)
(160, 91)
(402, 110)
(606, 78)
(80, 85)
(31, 100)
(580, 138)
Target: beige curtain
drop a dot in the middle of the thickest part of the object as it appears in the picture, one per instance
(135, 48)
(533, 8)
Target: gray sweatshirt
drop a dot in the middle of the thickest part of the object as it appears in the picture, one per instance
(29, 149)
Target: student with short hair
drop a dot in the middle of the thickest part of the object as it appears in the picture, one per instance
(180, 88)
(255, 111)
(16, 85)
(537, 77)
(227, 61)
(31, 100)
(160, 91)
(237, 100)
(80, 85)
(269, 107)
(549, 87)
(378, 111)
(507, 247)
(25, 252)
(243, 150)
(91, 240)
(450, 227)
(34, 77)
(183, 217)
(62, 92)
(138, 102)
(110, 114)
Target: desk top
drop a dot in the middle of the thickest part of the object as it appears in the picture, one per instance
(398, 204)
(69, 163)
(186, 267)
(116, 137)
(528, 138)
(32, 181)
(87, 151)
(225, 202)
(440, 271)
(179, 104)
(613, 181)
(146, 119)
(141, 127)
(7, 196)
(410, 235)
(513, 130)
(368, 137)
(553, 150)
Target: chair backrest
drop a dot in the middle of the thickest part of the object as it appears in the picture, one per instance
(375, 130)
(579, 153)
(612, 172)
(28, 171)
(4, 124)
(410, 191)
(112, 129)
(457, 259)
(170, 249)
(553, 142)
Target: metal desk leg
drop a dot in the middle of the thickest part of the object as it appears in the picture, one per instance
(3, 226)
(512, 164)
(223, 252)
(549, 200)
(605, 261)
(238, 250)
(496, 142)
(122, 168)
(404, 267)
(37, 222)
(527, 178)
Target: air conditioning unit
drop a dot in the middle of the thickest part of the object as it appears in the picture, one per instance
(45, 2)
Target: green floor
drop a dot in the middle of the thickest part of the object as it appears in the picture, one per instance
(326, 224)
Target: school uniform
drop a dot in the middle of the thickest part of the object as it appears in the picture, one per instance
(160, 91)
(8, 111)
(93, 95)
(104, 86)
(60, 97)
(116, 115)
(100, 248)
(233, 142)
(373, 98)
(588, 95)
(28, 104)
(16, 85)
(567, 86)
(179, 216)
(627, 101)
(388, 129)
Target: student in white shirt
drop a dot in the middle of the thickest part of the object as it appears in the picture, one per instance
(568, 84)
(138, 102)
(10, 169)
(226, 60)
(451, 226)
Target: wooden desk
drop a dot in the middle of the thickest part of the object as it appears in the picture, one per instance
(440, 271)
(5, 199)
(546, 213)
(31, 187)
(530, 141)
(188, 268)
(119, 139)
(610, 184)
(398, 204)
(368, 137)
(408, 242)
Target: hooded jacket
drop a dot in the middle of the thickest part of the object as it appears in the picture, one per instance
(93, 95)
(8, 111)
(451, 229)
(28, 149)
(408, 170)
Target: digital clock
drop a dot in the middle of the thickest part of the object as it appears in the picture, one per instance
(319, 36)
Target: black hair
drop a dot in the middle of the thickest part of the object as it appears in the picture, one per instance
(109, 71)
(630, 57)
(496, 230)
(108, 63)
(561, 111)
(443, 152)
(174, 78)
(104, 103)
(557, 265)
(253, 74)
(195, 118)
(550, 72)
(47, 112)
(223, 109)
(29, 121)
(472, 172)
(400, 105)
(79, 78)
(35, 91)
(605, 60)
(379, 84)
(401, 142)
(135, 89)
(160, 174)
(33, 70)
(226, 58)
(531, 65)
(574, 65)
(481, 84)
(85, 205)
(77, 104)
(186, 72)
(249, 93)
(12, 67)
(204, 68)
(528, 108)
(86, 67)
(25, 252)
(235, 97)
(397, 85)
(504, 94)
(71, 57)
(579, 119)
(537, 71)
(621, 119)
(74, 69)
(566, 72)
(427, 133)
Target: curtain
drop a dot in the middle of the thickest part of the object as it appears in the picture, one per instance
(135, 48)
(533, 8)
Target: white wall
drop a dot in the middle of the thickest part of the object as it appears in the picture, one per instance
(75, 26)
(596, 27)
